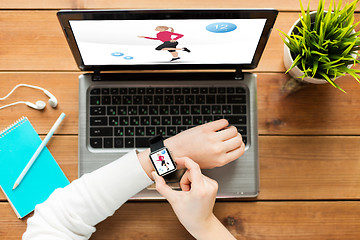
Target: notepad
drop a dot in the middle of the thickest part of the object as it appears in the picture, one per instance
(18, 143)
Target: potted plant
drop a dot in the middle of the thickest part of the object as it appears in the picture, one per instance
(322, 45)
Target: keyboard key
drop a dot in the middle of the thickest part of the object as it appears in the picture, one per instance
(181, 129)
(240, 90)
(108, 142)
(166, 120)
(184, 110)
(197, 120)
(101, 131)
(141, 91)
(158, 99)
(94, 100)
(132, 110)
(115, 100)
(241, 130)
(187, 120)
(212, 90)
(190, 99)
(123, 121)
(148, 99)
(95, 91)
(236, 99)
(161, 131)
(105, 100)
(143, 110)
(220, 99)
(132, 90)
(111, 110)
(200, 99)
(96, 142)
(159, 90)
(195, 109)
(137, 99)
(142, 142)
(179, 99)
(114, 91)
(123, 91)
(105, 91)
(195, 90)
(226, 109)
(171, 131)
(205, 109)
(119, 131)
(150, 90)
(174, 110)
(155, 120)
(216, 109)
(126, 99)
(208, 118)
(150, 131)
(129, 131)
(221, 90)
(244, 138)
(145, 120)
(168, 90)
(113, 121)
(186, 90)
(176, 120)
(239, 109)
(210, 99)
(169, 99)
(97, 110)
(134, 121)
(118, 142)
(164, 110)
(204, 90)
(98, 121)
(177, 90)
(139, 131)
(230, 90)
(129, 142)
(122, 110)
(153, 110)
(236, 120)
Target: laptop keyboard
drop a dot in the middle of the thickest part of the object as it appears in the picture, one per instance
(128, 117)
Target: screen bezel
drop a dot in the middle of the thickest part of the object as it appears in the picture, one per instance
(65, 16)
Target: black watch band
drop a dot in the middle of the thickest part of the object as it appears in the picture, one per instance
(156, 143)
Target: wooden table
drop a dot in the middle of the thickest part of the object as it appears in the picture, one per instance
(309, 140)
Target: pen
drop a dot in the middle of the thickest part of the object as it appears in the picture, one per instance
(38, 151)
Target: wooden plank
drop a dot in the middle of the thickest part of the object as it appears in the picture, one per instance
(291, 167)
(245, 220)
(282, 5)
(316, 109)
(33, 40)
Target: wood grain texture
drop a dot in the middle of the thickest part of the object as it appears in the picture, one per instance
(245, 220)
(315, 109)
(291, 167)
(283, 5)
(33, 40)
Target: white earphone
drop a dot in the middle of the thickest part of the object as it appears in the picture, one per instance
(39, 105)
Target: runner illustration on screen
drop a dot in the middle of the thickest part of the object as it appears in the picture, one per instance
(163, 162)
(169, 43)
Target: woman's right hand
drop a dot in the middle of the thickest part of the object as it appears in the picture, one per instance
(194, 204)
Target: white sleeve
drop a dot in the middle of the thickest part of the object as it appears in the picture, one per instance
(72, 212)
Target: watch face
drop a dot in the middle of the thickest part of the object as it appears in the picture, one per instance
(162, 161)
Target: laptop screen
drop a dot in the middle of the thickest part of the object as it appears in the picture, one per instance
(126, 39)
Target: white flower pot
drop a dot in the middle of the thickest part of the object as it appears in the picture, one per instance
(288, 60)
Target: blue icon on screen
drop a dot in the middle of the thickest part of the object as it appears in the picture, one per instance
(163, 152)
(128, 57)
(117, 54)
(221, 27)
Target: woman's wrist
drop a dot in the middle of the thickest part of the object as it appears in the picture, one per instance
(211, 229)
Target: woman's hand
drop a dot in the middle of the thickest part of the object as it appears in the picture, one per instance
(194, 204)
(213, 144)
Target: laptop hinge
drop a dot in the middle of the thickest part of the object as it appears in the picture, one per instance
(96, 75)
(239, 75)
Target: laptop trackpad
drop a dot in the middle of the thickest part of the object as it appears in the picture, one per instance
(172, 179)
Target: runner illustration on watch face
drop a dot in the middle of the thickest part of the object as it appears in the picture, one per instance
(160, 157)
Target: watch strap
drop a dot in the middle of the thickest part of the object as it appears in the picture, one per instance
(156, 143)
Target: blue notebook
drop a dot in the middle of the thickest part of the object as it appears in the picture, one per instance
(18, 143)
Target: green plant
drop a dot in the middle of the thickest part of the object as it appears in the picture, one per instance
(324, 46)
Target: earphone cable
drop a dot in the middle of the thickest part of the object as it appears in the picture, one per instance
(20, 85)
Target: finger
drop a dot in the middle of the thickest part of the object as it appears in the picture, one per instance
(227, 133)
(216, 125)
(185, 182)
(180, 163)
(195, 175)
(161, 187)
(233, 143)
(235, 154)
(214, 184)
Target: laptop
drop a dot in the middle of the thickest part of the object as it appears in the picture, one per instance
(199, 57)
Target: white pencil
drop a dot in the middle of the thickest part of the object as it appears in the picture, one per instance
(38, 151)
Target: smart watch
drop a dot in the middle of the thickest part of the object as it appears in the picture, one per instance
(160, 156)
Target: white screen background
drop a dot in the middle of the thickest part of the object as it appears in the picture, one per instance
(98, 39)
